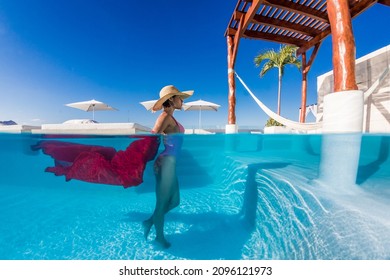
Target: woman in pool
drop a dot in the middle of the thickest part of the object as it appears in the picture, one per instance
(167, 187)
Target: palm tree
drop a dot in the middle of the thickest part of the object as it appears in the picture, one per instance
(285, 56)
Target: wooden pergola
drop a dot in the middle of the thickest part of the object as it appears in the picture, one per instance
(301, 23)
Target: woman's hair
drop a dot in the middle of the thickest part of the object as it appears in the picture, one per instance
(168, 103)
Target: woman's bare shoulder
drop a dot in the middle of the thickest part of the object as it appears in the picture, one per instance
(163, 122)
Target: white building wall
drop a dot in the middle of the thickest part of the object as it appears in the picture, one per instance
(372, 72)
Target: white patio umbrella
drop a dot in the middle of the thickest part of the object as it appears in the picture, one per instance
(91, 105)
(148, 104)
(200, 105)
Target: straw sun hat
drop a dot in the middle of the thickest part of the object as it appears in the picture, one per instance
(169, 91)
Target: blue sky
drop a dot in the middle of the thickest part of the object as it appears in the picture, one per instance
(123, 51)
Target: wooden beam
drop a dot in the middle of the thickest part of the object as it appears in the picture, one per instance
(286, 25)
(238, 15)
(298, 8)
(236, 42)
(231, 32)
(246, 20)
(312, 57)
(303, 48)
(273, 38)
(384, 2)
(360, 7)
(243, 25)
(305, 71)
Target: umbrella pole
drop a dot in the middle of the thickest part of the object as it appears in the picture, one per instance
(93, 112)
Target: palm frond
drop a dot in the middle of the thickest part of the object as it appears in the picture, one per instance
(266, 67)
(272, 59)
(268, 55)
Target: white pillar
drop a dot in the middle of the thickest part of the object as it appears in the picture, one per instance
(231, 128)
(342, 131)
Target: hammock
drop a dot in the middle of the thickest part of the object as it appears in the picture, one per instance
(278, 118)
(308, 126)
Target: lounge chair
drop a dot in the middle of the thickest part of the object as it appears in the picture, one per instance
(90, 127)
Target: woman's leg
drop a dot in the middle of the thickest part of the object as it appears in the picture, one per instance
(174, 202)
(175, 199)
(165, 192)
(167, 197)
(147, 224)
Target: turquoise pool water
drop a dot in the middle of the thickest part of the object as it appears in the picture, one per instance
(243, 196)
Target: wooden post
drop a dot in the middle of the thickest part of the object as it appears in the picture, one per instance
(302, 117)
(231, 82)
(343, 45)
(343, 108)
(305, 71)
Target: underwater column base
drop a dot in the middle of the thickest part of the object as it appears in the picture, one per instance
(342, 132)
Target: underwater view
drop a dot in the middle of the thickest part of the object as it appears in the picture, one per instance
(242, 197)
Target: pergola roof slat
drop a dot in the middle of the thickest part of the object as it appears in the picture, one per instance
(285, 25)
(299, 8)
(306, 21)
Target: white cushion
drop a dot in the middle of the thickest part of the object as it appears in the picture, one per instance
(80, 121)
